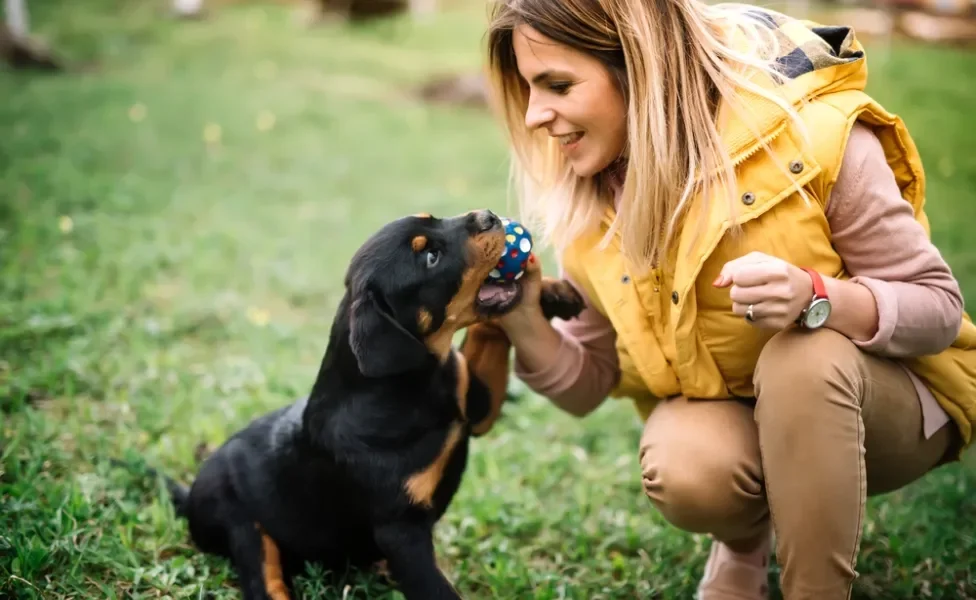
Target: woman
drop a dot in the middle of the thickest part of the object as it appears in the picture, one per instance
(746, 225)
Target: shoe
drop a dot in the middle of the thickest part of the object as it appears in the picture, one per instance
(736, 576)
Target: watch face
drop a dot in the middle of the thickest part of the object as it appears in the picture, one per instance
(817, 313)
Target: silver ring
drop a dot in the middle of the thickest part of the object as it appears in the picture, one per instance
(749, 315)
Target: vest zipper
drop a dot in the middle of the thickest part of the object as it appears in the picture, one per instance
(758, 146)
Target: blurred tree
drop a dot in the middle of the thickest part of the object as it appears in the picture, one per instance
(933, 21)
(367, 9)
(463, 89)
(187, 8)
(16, 47)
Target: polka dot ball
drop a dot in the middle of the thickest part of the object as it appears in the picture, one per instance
(518, 247)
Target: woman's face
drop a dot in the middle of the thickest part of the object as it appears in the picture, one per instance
(572, 96)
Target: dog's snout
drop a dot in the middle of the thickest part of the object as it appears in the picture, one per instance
(485, 220)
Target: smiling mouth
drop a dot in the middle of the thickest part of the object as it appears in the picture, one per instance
(497, 297)
(570, 138)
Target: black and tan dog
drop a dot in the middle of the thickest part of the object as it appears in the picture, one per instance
(359, 472)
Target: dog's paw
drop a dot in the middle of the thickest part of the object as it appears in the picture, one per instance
(381, 569)
(560, 299)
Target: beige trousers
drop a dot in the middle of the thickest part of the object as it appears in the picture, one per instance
(830, 426)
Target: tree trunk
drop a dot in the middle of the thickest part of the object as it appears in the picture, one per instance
(16, 48)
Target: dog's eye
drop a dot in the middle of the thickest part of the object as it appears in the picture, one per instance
(433, 256)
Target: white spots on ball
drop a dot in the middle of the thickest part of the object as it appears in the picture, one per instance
(525, 245)
(520, 274)
(495, 274)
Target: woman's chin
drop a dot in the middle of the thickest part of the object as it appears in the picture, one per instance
(583, 167)
(587, 166)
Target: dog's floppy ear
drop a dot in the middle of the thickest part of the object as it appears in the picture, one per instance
(382, 346)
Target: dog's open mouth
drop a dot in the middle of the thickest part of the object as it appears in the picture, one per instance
(497, 297)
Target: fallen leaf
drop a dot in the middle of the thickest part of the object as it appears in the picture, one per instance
(66, 224)
(258, 316)
(212, 133)
(265, 121)
(137, 112)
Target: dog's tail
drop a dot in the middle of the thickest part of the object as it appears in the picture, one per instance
(178, 493)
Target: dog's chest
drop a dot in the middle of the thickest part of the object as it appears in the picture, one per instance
(438, 460)
(441, 471)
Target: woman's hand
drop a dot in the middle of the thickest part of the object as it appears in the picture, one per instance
(777, 291)
(528, 309)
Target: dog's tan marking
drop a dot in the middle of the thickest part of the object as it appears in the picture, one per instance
(463, 382)
(422, 215)
(418, 243)
(382, 569)
(274, 581)
(483, 252)
(424, 319)
(486, 351)
(421, 486)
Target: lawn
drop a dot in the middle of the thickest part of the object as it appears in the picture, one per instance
(175, 220)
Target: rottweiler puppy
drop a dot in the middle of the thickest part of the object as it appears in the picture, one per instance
(358, 473)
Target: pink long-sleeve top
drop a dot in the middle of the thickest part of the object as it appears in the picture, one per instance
(883, 247)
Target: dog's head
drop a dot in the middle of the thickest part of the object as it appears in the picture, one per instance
(416, 282)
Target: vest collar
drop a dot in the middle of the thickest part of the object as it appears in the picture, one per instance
(814, 60)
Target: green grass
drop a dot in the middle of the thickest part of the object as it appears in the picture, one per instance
(159, 290)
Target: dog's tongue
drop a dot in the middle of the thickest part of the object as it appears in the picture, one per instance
(493, 292)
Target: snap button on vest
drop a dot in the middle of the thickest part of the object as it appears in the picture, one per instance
(625, 279)
(748, 198)
(796, 166)
(674, 297)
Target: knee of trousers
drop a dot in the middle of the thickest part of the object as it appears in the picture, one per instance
(704, 490)
(810, 365)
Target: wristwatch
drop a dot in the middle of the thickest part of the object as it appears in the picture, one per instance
(816, 313)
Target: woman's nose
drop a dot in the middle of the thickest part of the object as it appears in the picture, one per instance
(536, 116)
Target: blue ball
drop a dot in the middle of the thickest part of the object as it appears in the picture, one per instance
(518, 248)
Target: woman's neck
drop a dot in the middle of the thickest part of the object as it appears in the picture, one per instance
(615, 173)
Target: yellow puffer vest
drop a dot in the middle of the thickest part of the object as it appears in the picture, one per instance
(676, 332)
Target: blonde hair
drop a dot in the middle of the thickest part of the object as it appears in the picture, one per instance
(673, 60)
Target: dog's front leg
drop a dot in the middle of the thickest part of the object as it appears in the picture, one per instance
(486, 350)
(486, 355)
(409, 551)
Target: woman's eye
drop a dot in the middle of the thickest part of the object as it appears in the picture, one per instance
(432, 257)
(560, 87)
